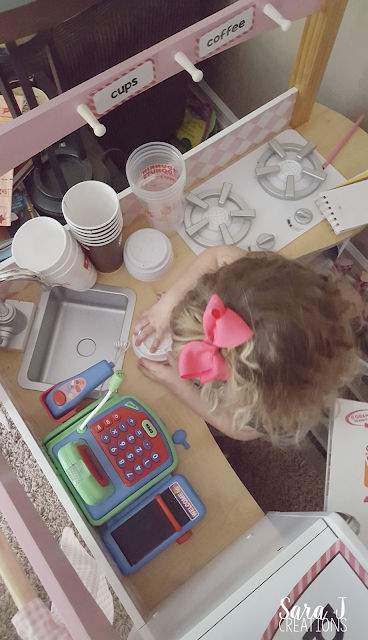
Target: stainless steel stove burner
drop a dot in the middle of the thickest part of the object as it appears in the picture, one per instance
(210, 218)
(293, 172)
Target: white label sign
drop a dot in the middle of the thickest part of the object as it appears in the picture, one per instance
(125, 87)
(226, 32)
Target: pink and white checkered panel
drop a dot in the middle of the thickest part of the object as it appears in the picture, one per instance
(336, 548)
(34, 622)
(227, 146)
(245, 136)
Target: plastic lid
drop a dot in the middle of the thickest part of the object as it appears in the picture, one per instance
(148, 254)
(143, 351)
(147, 249)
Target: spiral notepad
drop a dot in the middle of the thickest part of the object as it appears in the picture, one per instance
(345, 207)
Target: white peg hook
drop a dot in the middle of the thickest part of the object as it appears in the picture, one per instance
(184, 62)
(87, 115)
(271, 11)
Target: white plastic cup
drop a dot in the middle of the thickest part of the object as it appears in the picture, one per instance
(78, 273)
(118, 219)
(90, 205)
(94, 235)
(73, 251)
(71, 248)
(40, 244)
(156, 175)
(98, 239)
(45, 247)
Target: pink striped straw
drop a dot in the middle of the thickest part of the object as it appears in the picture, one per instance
(345, 139)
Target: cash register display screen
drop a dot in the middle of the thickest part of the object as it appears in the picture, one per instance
(148, 528)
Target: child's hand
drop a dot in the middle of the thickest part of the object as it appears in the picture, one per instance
(155, 319)
(165, 374)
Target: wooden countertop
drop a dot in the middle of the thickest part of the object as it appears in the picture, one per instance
(203, 464)
(326, 128)
(230, 508)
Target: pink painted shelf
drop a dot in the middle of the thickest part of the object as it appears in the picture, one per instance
(34, 131)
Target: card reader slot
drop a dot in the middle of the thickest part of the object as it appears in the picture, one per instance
(168, 513)
(175, 507)
(93, 465)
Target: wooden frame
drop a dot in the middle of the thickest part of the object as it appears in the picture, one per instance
(83, 619)
(315, 48)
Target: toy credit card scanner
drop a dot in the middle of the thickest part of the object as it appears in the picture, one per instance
(85, 472)
(61, 401)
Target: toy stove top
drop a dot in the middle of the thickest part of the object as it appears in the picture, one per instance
(262, 201)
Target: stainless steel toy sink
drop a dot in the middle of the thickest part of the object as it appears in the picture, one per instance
(72, 331)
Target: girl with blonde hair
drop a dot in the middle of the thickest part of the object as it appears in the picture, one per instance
(261, 344)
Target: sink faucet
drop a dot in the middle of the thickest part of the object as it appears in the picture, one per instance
(24, 274)
(12, 320)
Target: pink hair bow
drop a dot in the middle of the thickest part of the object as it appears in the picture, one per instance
(223, 329)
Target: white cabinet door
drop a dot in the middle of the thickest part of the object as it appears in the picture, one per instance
(322, 579)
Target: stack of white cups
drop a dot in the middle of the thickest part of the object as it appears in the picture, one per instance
(92, 211)
(44, 246)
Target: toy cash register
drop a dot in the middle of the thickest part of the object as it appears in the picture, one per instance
(116, 458)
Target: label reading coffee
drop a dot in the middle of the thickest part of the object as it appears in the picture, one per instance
(225, 33)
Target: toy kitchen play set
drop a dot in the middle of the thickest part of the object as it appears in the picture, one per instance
(115, 456)
(117, 463)
(263, 201)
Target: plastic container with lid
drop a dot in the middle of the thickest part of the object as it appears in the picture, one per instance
(156, 175)
(143, 351)
(148, 255)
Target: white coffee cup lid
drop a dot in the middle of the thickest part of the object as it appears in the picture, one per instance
(148, 254)
(147, 249)
(143, 351)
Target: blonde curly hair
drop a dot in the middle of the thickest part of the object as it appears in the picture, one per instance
(301, 353)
